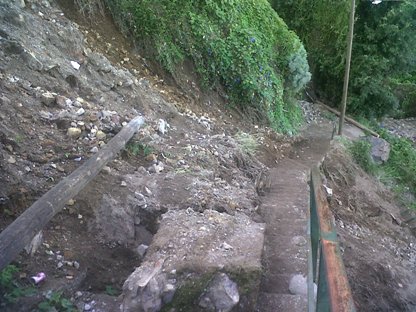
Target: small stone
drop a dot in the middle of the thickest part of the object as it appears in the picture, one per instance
(87, 307)
(60, 265)
(27, 169)
(75, 65)
(226, 246)
(100, 135)
(53, 166)
(80, 111)
(79, 216)
(123, 183)
(94, 149)
(107, 169)
(11, 160)
(76, 265)
(48, 99)
(61, 101)
(71, 202)
(59, 257)
(74, 132)
(9, 148)
(78, 294)
(141, 250)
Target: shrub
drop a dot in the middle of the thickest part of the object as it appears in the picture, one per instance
(361, 153)
(242, 45)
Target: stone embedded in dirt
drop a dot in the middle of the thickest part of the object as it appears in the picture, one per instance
(48, 99)
(162, 125)
(106, 169)
(145, 289)
(34, 244)
(94, 150)
(80, 111)
(100, 135)
(123, 183)
(11, 160)
(298, 285)
(71, 202)
(75, 65)
(221, 294)
(141, 250)
(74, 132)
(191, 241)
(61, 101)
(380, 150)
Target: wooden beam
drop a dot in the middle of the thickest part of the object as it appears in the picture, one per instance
(20, 233)
(350, 120)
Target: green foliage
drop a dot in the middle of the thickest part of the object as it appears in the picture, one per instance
(10, 290)
(383, 50)
(111, 291)
(399, 172)
(402, 162)
(361, 153)
(247, 142)
(138, 149)
(242, 45)
(56, 302)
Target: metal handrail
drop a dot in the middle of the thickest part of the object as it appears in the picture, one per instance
(325, 265)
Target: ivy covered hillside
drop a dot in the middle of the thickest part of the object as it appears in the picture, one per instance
(242, 46)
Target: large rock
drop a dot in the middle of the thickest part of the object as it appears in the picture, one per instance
(222, 294)
(196, 249)
(147, 289)
(380, 150)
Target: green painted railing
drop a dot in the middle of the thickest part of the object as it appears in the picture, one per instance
(325, 265)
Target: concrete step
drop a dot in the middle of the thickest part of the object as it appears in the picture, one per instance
(270, 302)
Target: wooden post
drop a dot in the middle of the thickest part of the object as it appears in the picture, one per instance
(347, 68)
(20, 233)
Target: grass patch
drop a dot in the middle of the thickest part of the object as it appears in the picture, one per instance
(361, 153)
(56, 302)
(10, 288)
(398, 173)
(247, 142)
(136, 149)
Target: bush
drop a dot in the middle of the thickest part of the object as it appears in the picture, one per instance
(242, 45)
(361, 153)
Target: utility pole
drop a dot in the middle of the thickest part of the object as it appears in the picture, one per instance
(347, 68)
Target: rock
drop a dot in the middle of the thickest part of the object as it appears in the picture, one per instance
(106, 169)
(145, 288)
(94, 150)
(162, 126)
(75, 65)
(298, 285)
(76, 265)
(87, 307)
(59, 265)
(141, 250)
(123, 183)
(100, 135)
(11, 160)
(78, 294)
(80, 111)
(221, 294)
(71, 202)
(48, 99)
(34, 244)
(380, 150)
(61, 101)
(74, 132)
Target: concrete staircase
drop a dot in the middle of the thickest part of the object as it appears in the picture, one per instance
(284, 210)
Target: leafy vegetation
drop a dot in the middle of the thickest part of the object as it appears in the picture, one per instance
(10, 289)
(247, 142)
(56, 302)
(383, 65)
(399, 172)
(242, 46)
(134, 148)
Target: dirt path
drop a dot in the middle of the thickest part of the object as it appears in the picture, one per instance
(285, 211)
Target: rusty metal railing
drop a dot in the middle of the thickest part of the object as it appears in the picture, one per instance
(325, 265)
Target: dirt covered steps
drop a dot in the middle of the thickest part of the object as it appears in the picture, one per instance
(270, 302)
(285, 251)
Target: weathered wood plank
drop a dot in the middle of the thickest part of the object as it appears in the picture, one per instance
(18, 234)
